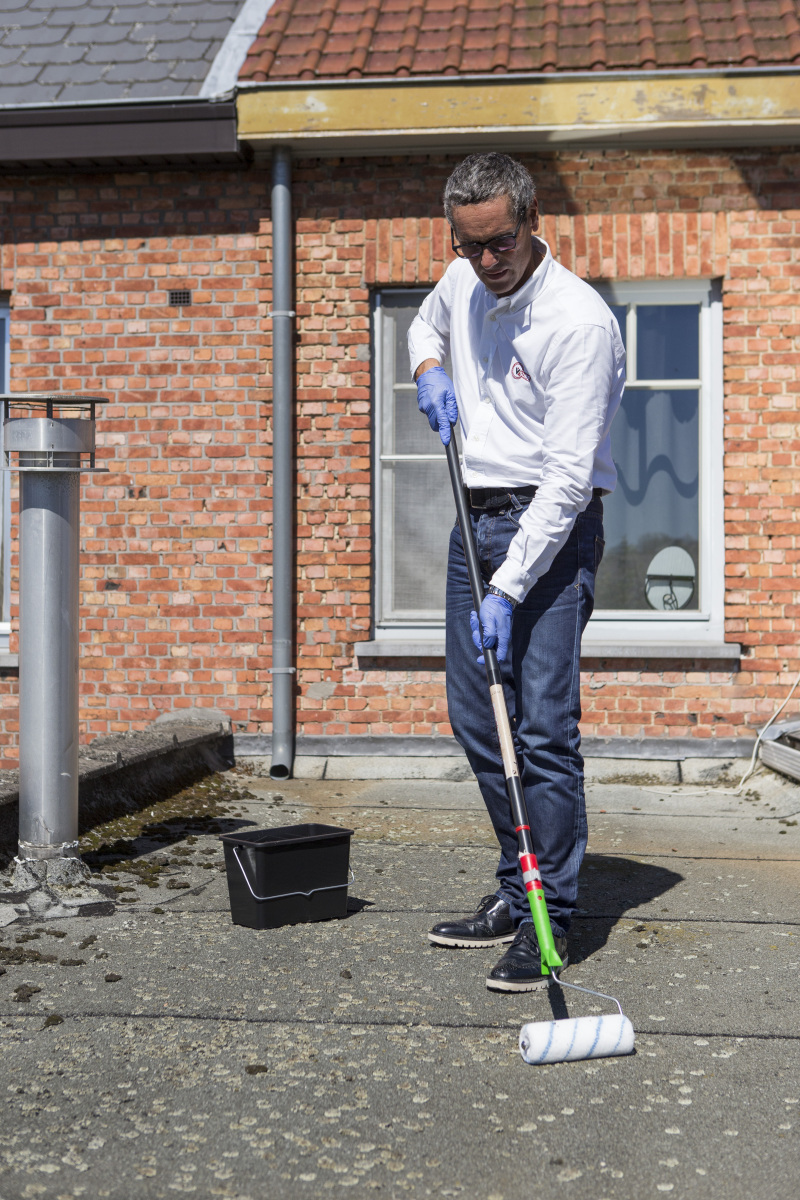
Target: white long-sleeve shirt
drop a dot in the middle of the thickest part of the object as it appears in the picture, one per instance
(538, 377)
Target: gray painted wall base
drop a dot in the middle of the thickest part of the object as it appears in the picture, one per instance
(259, 745)
(641, 772)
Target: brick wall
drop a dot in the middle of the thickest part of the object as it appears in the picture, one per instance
(176, 578)
(175, 539)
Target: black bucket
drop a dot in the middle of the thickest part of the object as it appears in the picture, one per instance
(287, 876)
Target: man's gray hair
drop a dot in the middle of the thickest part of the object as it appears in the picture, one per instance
(482, 177)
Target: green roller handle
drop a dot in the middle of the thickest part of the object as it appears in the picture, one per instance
(527, 858)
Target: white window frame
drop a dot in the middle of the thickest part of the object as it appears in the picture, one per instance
(705, 625)
(5, 488)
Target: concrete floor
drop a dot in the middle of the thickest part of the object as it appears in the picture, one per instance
(166, 1050)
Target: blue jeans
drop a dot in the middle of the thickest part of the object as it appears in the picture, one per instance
(542, 687)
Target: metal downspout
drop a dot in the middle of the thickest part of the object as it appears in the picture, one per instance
(283, 516)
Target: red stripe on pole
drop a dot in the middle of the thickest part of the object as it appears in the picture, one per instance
(518, 827)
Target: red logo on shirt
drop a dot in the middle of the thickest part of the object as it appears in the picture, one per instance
(519, 372)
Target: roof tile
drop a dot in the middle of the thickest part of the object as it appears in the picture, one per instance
(62, 53)
(90, 14)
(20, 73)
(128, 72)
(22, 37)
(336, 38)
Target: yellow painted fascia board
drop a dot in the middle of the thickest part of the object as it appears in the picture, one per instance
(551, 109)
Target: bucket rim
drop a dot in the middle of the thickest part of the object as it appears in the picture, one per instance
(323, 833)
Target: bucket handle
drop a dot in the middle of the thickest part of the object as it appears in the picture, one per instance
(288, 895)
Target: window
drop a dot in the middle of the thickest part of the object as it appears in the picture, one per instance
(663, 569)
(413, 501)
(5, 495)
(662, 579)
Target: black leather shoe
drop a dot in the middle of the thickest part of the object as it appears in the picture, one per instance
(520, 968)
(491, 926)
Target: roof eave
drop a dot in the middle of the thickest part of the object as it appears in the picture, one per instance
(532, 140)
(739, 107)
(180, 131)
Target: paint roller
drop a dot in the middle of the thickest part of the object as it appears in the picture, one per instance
(569, 1039)
(573, 1038)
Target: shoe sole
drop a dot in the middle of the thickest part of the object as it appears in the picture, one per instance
(471, 943)
(512, 985)
(506, 985)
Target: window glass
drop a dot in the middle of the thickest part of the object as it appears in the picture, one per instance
(667, 341)
(418, 515)
(620, 311)
(415, 502)
(654, 442)
(652, 519)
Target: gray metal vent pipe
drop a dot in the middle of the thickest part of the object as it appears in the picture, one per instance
(49, 450)
(283, 451)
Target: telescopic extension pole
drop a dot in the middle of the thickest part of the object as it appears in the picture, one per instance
(527, 858)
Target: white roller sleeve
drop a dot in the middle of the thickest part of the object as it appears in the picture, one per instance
(576, 1038)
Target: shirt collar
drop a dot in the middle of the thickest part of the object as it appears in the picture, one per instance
(529, 290)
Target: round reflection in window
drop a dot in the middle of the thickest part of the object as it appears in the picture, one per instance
(671, 579)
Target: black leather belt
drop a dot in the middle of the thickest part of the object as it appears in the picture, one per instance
(494, 498)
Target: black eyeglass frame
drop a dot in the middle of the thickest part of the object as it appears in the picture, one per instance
(458, 247)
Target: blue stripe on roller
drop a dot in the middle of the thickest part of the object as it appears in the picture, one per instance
(572, 1043)
(591, 1049)
(621, 1031)
(549, 1042)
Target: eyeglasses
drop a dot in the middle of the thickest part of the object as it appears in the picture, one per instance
(497, 245)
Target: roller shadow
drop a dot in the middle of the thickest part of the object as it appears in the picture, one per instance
(557, 1002)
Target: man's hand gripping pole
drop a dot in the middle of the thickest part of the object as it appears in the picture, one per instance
(527, 858)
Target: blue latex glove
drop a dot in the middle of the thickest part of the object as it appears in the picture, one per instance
(496, 616)
(436, 398)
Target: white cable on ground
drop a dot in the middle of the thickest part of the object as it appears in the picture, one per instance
(682, 791)
(774, 716)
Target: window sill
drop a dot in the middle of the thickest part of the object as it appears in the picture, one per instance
(8, 662)
(688, 651)
(401, 648)
(590, 650)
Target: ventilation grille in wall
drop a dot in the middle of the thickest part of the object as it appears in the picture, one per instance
(181, 296)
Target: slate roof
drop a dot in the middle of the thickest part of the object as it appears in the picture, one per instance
(334, 39)
(106, 50)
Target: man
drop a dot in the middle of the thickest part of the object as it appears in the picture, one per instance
(538, 374)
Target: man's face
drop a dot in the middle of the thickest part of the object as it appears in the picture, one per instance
(505, 271)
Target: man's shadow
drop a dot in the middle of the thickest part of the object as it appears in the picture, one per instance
(608, 887)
